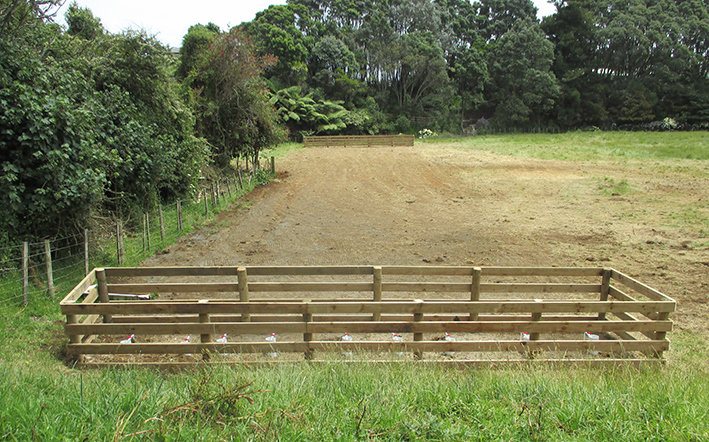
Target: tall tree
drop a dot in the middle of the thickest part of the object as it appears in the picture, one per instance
(523, 88)
(233, 111)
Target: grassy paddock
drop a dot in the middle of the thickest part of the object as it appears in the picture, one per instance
(43, 399)
(589, 146)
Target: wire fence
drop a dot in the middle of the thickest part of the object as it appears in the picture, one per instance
(45, 270)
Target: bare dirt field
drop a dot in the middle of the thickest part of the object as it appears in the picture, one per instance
(442, 205)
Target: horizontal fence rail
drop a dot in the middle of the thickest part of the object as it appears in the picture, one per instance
(358, 140)
(596, 314)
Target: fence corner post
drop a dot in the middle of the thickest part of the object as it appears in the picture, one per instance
(605, 291)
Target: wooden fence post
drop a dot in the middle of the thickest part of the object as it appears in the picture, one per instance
(475, 290)
(228, 187)
(162, 223)
(147, 228)
(273, 165)
(86, 252)
(103, 292)
(25, 273)
(537, 316)
(179, 215)
(377, 271)
(206, 203)
(418, 317)
(605, 290)
(74, 339)
(50, 274)
(204, 338)
(241, 181)
(119, 243)
(307, 337)
(243, 291)
(144, 242)
(660, 336)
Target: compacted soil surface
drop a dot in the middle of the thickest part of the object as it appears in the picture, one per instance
(445, 205)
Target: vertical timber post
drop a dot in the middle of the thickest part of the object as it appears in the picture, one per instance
(377, 274)
(307, 336)
(243, 291)
(147, 228)
(273, 165)
(162, 223)
(48, 261)
(25, 273)
(103, 292)
(204, 338)
(179, 216)
(206, 203)
(74, 339)
(475, 290)
(144, 242)
(86, 252)
(660, 336)
(605, 291)
(119, 242)
(536, 316)
(418, 317)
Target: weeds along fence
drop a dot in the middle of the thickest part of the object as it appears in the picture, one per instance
(460, 314)
(38, 270)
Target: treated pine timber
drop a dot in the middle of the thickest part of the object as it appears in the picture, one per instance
(371, 327)
(345, 307)
(639, 287)
(372, 346)
(358, 140)
(80, 288)
(233, 271)
(173, 319)
(465, 364)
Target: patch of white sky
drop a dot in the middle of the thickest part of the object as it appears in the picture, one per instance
(170, 20)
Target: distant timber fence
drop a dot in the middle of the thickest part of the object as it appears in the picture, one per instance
(493, 313)
(38, 269)
(358, 140)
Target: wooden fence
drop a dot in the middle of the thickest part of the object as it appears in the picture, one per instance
(358, 140)
(494, 313)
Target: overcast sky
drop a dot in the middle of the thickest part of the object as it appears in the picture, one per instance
(169, 20)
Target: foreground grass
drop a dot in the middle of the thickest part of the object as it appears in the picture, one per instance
(44, 399)
(590, 146)
(333, 401)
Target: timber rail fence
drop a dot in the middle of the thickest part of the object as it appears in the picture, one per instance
(358, 140)
(503, 313)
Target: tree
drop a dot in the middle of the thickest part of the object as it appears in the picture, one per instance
(277, 35)
(233, 112)
(194, 44)
(523, 88)
(82, 23)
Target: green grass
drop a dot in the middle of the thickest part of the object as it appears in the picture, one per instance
(44, 399)
(590, 146)
(334, 401)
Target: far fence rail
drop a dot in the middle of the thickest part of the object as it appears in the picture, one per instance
(358, 140)
(595, 315)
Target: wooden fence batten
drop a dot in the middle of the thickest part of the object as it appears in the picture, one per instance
(358, 140)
